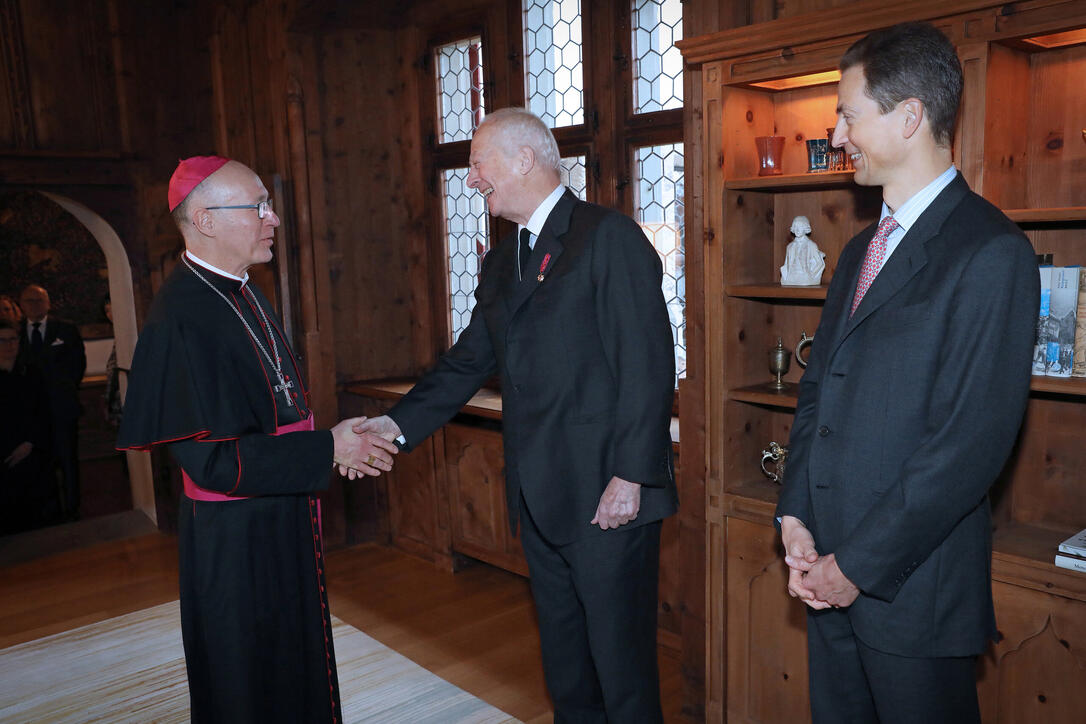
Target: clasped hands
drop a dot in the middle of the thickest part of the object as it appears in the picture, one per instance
(358, 449)
(816, 580)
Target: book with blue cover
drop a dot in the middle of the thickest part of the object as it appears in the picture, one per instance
(1062, 311)
(1040, 348)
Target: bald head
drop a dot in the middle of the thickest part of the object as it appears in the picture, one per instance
(35, 302)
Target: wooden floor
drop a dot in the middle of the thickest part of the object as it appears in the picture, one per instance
(475, 628)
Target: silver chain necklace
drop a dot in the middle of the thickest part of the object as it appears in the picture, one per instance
(276, 364)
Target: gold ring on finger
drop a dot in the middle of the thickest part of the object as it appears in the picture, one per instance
(370, 460)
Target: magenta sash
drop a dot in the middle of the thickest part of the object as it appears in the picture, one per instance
(195, 492)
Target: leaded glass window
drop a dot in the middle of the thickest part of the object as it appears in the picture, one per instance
(554, 75)
(658, 64)
(661, 215)
(574, 175)
(460, 89)
(467, 238)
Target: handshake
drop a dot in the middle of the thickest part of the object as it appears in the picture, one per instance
(364, 446)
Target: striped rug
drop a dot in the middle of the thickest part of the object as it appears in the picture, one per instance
(132, 669)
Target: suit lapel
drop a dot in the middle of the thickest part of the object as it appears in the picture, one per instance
(911, 254)
(548, 248)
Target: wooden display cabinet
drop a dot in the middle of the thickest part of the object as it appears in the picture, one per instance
(1019, 144)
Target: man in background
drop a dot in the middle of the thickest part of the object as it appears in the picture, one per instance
(570, 313)
(915, 389)
(55, 348)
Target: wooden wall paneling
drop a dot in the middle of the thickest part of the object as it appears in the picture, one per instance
(316, 323)
(476, 480)
(1035, 672)
(747, 115)
(1056, 151)
(1063, 241)
(232, 88)
(413, 501)
(70, 77)
(698, 17)
(1032, 17)
(1049, 463)
(766, 634)
(713, 241)
(121, 76)
(670, 589)
(368, 261)
(1006, 127)
(428, 337)
(607, 65)
(17, 124)
(431, 277)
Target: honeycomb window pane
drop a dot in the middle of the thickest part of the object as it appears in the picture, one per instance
(574, 175)
(467, 238)
(658, 66)
(461, 106)
(553, 65)
(660, 212)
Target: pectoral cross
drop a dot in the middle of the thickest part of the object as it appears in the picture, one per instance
(285, 384)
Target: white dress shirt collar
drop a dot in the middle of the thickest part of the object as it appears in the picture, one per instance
(539, 216)
(211, 268)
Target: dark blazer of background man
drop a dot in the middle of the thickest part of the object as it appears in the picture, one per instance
(908, 408)
(62, 360)
(583, 345)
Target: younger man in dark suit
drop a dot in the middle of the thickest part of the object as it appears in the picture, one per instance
(55, 348)
(916, 386)
(571, 315)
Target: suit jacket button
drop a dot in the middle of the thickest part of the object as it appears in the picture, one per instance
(823, 431)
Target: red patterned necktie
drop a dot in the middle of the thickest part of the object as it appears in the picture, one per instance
(876, 252)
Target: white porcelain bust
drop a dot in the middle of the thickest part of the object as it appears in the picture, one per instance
(804, 262)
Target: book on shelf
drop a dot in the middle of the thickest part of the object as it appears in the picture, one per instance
(1040, 347)
(1075, 545)
(1062, 307)
(1078, 365)
(1073, 563)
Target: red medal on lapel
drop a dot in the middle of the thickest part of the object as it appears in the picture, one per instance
(543, 267)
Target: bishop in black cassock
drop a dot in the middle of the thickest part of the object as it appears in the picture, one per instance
(214, 379)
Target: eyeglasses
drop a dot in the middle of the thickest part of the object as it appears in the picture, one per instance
(262, 209)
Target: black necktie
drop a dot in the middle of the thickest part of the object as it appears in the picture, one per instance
(525, 251)
(35, 339)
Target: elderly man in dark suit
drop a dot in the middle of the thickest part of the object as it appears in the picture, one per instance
(570, 313)
(55, 348)
(916, 386)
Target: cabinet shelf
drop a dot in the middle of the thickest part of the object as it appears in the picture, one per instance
(1023, 555)
(1041, 216)
(775, 291)
(763, 394)
(792, 182)
(754, 499)
(1059, 385)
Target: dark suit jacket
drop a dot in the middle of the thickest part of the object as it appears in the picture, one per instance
(906, 414)
(62, 362)
(587, 370)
